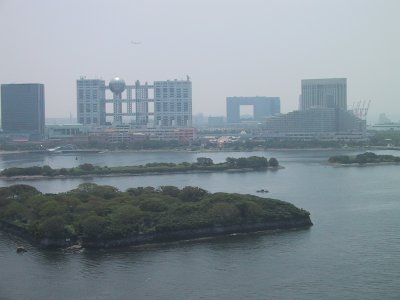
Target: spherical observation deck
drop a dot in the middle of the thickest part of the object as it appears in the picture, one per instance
(117, 85)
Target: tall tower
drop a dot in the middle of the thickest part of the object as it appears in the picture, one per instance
(173, 103)
(142, 104)
(22, 108)
(117, 86)
(323, 93)
(91, 101)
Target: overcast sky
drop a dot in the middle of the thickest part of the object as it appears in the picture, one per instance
(228, 47)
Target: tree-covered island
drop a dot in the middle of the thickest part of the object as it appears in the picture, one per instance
(102, 216)
(364, 158)
(203, 164)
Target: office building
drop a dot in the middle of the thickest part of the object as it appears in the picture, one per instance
(173, 103)
(315, 120)
(323, 114)
(22, 108)
(323, 93)
(91, 101)
(262, 107)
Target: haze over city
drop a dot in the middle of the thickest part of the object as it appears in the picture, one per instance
(228, 48)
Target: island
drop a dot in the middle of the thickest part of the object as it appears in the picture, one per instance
(364, 158)
(203, 164)
(95, 216)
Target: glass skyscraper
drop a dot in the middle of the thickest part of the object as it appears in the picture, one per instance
(22, 108)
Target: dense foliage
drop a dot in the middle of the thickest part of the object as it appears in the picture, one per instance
(92, 212)
(202, 164)
(367, 157)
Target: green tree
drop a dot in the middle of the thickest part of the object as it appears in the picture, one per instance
(273, 162)
(93, 226)
(190, 193)
(86, 167)
(170, 190)
(223, 212)
(204, 161)
(53, 227)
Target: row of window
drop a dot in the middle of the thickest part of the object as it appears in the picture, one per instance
(171, 92)
(91, 83)
(89, 107)
(87, 94)
(178, 121)
(88, 119)
(170, 107)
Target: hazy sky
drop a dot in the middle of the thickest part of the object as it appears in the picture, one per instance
(228, 47)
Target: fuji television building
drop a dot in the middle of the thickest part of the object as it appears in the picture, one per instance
(163, 104)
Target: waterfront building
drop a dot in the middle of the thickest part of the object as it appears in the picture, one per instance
(173, 103)
(91, 101)
(23, 109)
(262, 107)
(66, 131)
(315, 123)
(385, 127)
(125, 134)
(323, 93)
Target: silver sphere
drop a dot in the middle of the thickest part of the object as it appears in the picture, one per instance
(117, 85)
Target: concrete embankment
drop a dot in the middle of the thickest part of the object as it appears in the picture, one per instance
(158, 237)
(218, 230)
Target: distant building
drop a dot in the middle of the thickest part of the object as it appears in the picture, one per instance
(384, 120)
(262, 106)
(91, 101)
(22, 109)
(173, 103)
(66, 131)
(126, 135)
(315, 123)
(216, 121)
(323, 93)
(199, 120)
(385, 127)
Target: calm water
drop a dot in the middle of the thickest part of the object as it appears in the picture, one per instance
(351, 252)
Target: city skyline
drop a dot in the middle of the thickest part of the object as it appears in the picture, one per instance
(227, 48)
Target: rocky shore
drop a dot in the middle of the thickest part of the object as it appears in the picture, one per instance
(160, 237)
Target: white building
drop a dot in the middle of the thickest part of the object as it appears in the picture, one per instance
(323, 93)
(173, 103)
(90, 101)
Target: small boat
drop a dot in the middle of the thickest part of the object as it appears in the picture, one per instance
(21, 249)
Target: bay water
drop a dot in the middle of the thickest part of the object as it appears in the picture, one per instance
(351, 252)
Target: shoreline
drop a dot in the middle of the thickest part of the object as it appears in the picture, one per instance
(138, 240)
(41, 177)
(102, 151)
(364, 164)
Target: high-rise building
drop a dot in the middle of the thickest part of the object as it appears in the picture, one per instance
(173, 103)
(323, 93)
(22, 108)
(262, 107)
(91, 101)
(314, 122)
